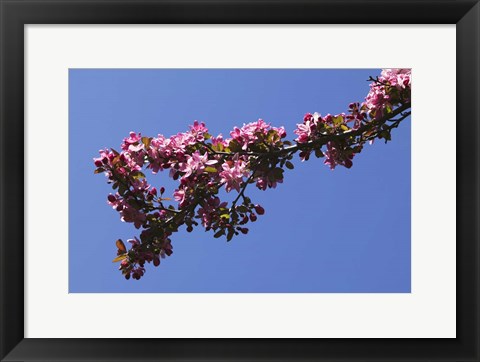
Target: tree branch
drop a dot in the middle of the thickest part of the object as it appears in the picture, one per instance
(332, 137)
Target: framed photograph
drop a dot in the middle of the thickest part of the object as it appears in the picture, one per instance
(239, 180)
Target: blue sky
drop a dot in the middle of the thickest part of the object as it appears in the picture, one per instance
(341, 231)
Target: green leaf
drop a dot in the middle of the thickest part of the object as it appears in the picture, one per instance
(278, 173)
(119, 258)
(134, 203)
(219, 233)
(234, 146)
(271, 135)
(241, 208)
(337, 120)
(146, 141)
(115, 160)
(98, 170)
(210, 169)
(138, 175)
(386, 135)
(319, 153)
(122, 189)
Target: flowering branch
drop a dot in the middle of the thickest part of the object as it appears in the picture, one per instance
(256, 153)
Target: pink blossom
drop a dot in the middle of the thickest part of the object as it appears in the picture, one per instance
(264, 182)
(195, 164)
(136, 148)
(381, 97)
(250, 132)
(219, 140)
(133, 139)
(198, 130)
(131, 214)
(140, 185)
(106, 157)
(114, 200)
(209, 211)
(179, 195)
(180, 141)
(133, 162)
(281, 131)
(304, 132)
(399, 78)
(334, 156)
(233, 176)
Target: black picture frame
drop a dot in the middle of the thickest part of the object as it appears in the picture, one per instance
(17, 13)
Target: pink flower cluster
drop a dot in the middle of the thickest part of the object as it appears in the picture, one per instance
(150, 253)
(251, 133)
(203, 165)
(389, 90)
(339, 132)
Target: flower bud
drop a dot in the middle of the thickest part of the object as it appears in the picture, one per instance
(260, 210)
(307, 117)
